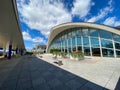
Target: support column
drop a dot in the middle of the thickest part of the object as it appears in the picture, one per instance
(100, 45)
(82, 44)
(76, 43)
(90, 46)
(16, 50)
(114, 47)
(10, 51)
(21, 52)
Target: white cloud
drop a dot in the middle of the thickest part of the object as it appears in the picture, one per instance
(102, 13)
(112, 21)
(27, 37)
(43, 14)
(81, 7)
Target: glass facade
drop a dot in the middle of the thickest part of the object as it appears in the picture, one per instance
(91, 41)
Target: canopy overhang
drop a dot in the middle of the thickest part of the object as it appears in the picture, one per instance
(10, 31)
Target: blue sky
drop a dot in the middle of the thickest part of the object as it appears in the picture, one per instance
(37, 17)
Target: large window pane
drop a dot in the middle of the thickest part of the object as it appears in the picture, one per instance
(74, 48)
(78, 32)
(107, 53)
(73, 41)
(87, 51)
(93, 33)
(69, 50)
(69, 35)
(117, 45)
(69, 42)
(73, 33)
(105, 34)
(85, 32)
(94, 42)
(65, 43)
(106, 43)
(96, 51)
(86, 41)
(79, 48)
(118, 53)
(116, 37)
(79, 41)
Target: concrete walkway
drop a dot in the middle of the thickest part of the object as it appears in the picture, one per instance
(33, 73)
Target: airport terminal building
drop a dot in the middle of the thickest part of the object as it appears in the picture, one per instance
(90, 38)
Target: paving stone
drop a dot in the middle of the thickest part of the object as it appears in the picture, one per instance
(81, 80)
(42, 86)
(24, 85)
(38, 81)
(53, 83)
(9, 85)
(92, 86)
(35, 75)
(61, 87)
(48, 76)
(7, 88)
(73, 84)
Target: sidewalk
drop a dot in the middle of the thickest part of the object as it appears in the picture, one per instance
(105, 73)
(34, 73)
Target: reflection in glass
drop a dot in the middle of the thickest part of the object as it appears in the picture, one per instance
(69, 50)
(62, 48)
(87, 51)
(79, 41)
(73, 41)
(117, 45)
(79, 48)
(93, 33)
(69, 42)
(74, 48)
(118, 53)
(86, 41)
(116, 37)
(78, 32)
(96, 51)
(66, 49)
(105, 34)
(107, 53)
(106, 43)
(69, 35)
(73, 33)
(94, 42)
(85, 32)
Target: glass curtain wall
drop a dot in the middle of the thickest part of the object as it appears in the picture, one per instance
(89, 41)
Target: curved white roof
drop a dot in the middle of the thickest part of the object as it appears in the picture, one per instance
(62, 27)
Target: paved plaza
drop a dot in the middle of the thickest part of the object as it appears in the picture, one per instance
(36, 73)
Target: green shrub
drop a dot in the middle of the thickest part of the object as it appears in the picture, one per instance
(63, 54)
(77, 54)
(54, 51)
(58, 52)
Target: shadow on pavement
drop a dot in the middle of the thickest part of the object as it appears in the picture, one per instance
(32, 73)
